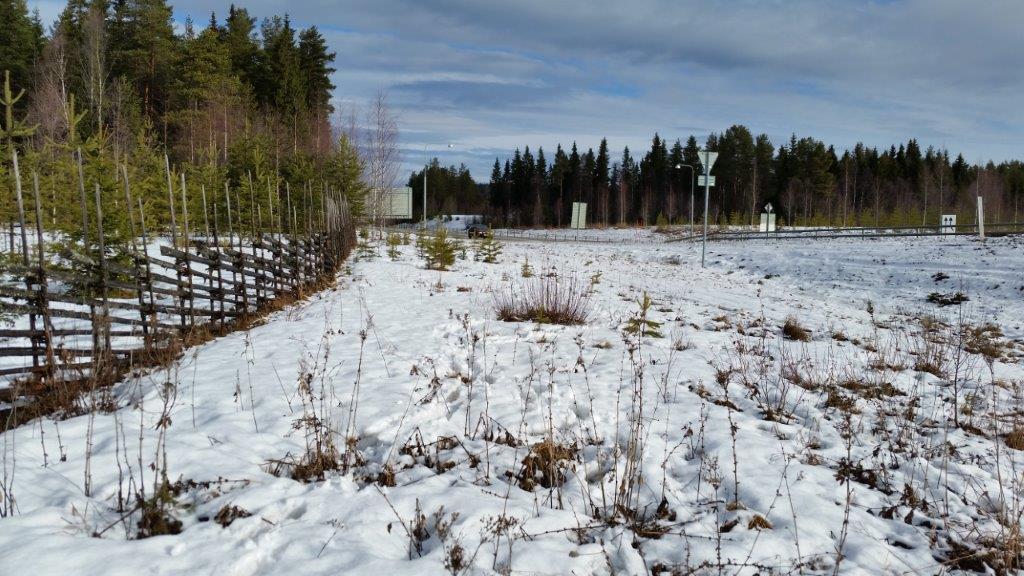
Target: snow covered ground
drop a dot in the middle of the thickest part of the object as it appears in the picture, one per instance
(482, 446)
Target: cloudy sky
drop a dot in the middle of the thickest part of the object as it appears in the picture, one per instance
(487, 76)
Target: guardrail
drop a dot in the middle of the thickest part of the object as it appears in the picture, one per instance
(995, 229)
(719, 234)
(531, 234)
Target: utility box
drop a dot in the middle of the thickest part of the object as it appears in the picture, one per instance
(947, 224)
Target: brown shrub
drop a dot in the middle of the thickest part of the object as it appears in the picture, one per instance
(792, 330)
(546, 464)
(546, 300)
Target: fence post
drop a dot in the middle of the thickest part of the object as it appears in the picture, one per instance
(43, 302)
(104, 320)
(185, 248)
(170, 202)
(220, 262)
(147, 278)
(24, 255)
(214, 255)
(136, 260)
(241, 251)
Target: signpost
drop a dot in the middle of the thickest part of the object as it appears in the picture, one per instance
(767, 220)
(707, 161)
(579, 215)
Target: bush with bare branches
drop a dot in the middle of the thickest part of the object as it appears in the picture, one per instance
(546, 300)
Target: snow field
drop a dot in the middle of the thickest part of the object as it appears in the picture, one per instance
(837, 442)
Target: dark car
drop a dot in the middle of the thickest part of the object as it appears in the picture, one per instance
(477, 230)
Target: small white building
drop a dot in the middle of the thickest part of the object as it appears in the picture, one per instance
(456, 222)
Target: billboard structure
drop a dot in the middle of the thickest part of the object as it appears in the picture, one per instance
(398, 203)
(579, 215)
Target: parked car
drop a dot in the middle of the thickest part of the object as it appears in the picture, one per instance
(477, 230)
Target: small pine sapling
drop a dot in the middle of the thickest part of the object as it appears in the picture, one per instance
(640, 324)
(488, 249)
(394, 241)
(527, 270)
(439, 251)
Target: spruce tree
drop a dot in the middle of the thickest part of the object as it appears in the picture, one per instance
(282, 80)
(21, 42)
(144, 49)
(315, 63)
(239, 36)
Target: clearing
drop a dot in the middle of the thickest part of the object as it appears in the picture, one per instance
(793, 404)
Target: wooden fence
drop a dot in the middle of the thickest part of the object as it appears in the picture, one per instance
(79, 311)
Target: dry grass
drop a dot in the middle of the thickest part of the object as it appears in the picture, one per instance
(547, 300)
(1015, 438)
(546, 465)
(951, 299)
(792, 330)
(759, 522)
(228, 514)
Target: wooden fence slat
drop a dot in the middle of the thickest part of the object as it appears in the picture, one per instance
(29, 333)
(9, 351)
(191, 283)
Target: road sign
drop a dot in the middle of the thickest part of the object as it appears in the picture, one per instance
(398, 203)
(948, 224)
(768, 208)
(579, 215)
(767, 222)
(707, 159)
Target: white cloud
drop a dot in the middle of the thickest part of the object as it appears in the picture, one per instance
(493, 76)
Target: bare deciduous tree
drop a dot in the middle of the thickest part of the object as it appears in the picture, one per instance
(94, 62)
(382, 157)
(49, 105)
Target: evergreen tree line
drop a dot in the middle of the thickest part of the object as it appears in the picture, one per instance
(450, 190)
(239, 107)
(804, 179)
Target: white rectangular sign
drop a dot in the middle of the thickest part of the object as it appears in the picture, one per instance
(579, 215)
(947, 224)
(702, 180)
(398, 204)
(767, 222)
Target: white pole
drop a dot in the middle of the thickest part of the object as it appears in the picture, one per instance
(426, 169)
(981, 219)
(693, 181)
(707, 192)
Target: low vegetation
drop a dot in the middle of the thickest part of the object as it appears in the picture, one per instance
(545, 300)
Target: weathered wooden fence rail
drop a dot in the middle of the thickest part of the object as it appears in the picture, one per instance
(82, 315)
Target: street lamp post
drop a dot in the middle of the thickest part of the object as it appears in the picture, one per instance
(693, 179)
